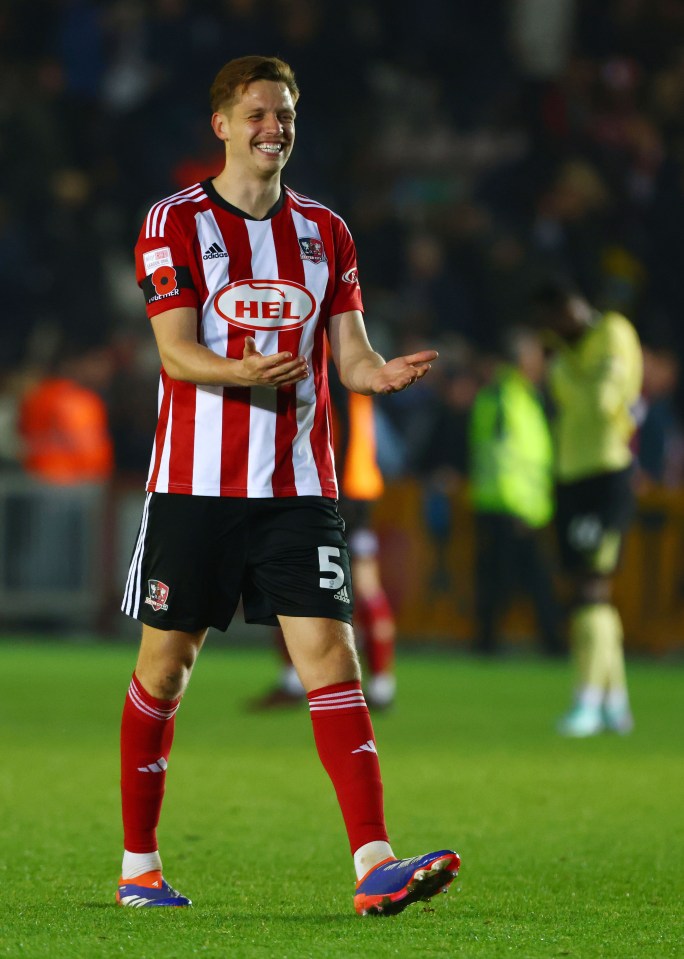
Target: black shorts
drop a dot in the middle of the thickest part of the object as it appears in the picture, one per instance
(196, 556)
(592, 514)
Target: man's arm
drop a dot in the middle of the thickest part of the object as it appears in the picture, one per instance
(185, 359)
(361, 369)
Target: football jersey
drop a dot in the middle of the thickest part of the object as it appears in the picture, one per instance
(278, 280)
(595, 383)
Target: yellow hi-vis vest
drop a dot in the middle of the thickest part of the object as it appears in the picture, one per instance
(511, 450)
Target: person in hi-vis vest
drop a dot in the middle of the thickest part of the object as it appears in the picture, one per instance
(511, 492)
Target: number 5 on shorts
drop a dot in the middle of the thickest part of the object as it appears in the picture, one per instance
(326, 565)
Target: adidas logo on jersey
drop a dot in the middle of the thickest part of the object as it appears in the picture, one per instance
(342, 595)
(214, 252)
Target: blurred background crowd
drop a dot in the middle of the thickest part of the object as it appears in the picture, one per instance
(472, 146)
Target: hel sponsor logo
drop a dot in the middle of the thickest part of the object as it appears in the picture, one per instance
(155, 258)
(265, 304)
(158, 593)
(312, 249)
(351, 276)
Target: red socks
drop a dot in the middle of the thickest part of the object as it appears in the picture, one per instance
(344, 739)
(346, 746)
(147, 727)
(375, 617)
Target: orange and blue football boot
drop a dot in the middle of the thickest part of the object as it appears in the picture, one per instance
(150, 889)
(394, 884)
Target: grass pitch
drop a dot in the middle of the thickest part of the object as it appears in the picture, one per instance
(570, 849)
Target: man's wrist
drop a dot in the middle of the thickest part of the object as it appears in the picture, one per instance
(365, 373)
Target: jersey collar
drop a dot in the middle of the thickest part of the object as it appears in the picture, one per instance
(216, 198)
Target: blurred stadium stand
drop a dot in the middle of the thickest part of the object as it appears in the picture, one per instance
(471, 147)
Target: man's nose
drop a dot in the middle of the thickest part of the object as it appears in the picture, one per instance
(273, 123)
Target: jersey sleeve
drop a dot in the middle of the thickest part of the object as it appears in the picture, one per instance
(162, 268)
(347, 292)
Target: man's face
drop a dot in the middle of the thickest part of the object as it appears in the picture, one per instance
(259, 129)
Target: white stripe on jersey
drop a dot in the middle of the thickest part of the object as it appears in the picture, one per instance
(206, 469)
(264, 401)
(206, 475)
(151, 220)
(156, 218)
(153, 210)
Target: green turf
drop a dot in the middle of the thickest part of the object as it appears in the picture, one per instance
(569, 848)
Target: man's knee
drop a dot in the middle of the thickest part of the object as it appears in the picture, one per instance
(322, 650)
(166, 660)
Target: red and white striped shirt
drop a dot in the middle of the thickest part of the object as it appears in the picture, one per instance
(279, 280)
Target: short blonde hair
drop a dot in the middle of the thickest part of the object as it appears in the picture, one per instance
(236, 75)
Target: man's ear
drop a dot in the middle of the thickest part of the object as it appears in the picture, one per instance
(220, 126)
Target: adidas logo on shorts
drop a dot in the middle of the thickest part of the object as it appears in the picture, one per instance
(342, 595)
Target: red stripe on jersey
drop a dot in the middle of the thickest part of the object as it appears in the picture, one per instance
(182, 436)
(236, 407)
(160, 433)
(321, 434)
(286, 424)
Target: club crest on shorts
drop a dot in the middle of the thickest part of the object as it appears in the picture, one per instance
(158, 593)
(312, 249)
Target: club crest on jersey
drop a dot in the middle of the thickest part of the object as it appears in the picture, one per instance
(312, 249)
(265, 304)
(158, 593)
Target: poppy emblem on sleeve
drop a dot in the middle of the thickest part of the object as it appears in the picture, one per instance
(164, 280)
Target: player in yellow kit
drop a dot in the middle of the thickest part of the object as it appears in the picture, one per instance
(595, 380)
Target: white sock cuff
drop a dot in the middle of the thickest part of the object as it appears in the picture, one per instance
(138, 863)
(369, 855)
(590, 697)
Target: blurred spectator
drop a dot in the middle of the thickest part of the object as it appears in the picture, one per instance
(511, 488)
(440, 452)
(660, 440)
(433, 299)
(63, 422)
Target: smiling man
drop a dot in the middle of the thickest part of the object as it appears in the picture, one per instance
(246, 282)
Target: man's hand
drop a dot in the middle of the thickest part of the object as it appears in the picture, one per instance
(401, 372)
(278, 369)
